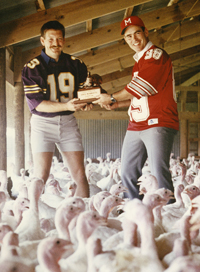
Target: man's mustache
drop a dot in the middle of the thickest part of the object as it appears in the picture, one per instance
(58, 46)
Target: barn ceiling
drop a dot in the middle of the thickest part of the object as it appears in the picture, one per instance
(93, 34)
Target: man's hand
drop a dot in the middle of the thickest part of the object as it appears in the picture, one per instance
(103, 99)
(87, 107)
(112, 106)
(72, 106)
(118, 104)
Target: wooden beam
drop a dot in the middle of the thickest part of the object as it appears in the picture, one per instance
(185, 53)
(126, 63)
(111, 69)
(120, 50)
(113, 52)
(194, 139)
(39, 5)
(188, 115)
(122, 65)
(89, 26)
(188, 88)
(117, 75)
(68, 14)
(89, 29)
(186, 62)
(176, 12)
(120, 115)
(171, 2)
(111, 33)
(192, 80)
(96, 115)
(110, 86)
(183, 43)
(128, 12)
(189, 33)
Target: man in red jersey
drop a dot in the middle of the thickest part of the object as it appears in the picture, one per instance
(51, 81)
(152, 109)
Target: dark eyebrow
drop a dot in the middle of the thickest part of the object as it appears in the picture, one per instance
(133, 33)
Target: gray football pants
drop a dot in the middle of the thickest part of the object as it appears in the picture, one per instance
(154, 143)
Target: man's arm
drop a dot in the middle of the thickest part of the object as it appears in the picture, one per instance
(118, 104)
(51, 106)
(105, 99)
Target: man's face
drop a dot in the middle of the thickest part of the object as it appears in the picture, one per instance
(53, 42)
(136, 38)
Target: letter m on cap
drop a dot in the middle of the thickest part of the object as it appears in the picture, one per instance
(126, 22)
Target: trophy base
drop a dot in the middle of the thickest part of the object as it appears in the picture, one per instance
(88, 101)
(88, 95)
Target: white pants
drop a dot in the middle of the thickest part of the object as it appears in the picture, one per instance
(61, 130)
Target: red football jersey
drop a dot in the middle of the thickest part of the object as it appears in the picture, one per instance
(153, 88)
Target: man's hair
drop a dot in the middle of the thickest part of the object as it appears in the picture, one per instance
(52, 25)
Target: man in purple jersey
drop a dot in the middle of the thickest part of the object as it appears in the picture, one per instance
(150, 96)
(51, 81)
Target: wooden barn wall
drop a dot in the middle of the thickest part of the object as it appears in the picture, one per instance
(103, 136)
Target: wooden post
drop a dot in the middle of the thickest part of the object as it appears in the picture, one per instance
(19, 113)
(183, 138)
(29, 139)
(198, 123)
(3, 152)
(183, 128)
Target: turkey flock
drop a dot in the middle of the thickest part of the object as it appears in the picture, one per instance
(46, 228)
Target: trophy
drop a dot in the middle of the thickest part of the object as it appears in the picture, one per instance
(89, 92)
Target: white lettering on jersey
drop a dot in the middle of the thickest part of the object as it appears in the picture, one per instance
(33, 63)
(66, 86)
(153, 53)
(139, 109)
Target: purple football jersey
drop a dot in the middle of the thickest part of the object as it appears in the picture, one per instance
(54, 81)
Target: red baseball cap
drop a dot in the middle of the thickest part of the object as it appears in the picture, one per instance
(132, 20)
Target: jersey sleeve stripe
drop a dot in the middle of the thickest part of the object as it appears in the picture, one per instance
(146, 85)
(33, 89)
(30, 86)
(133, 91)
(28, 92)
(141, 87)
